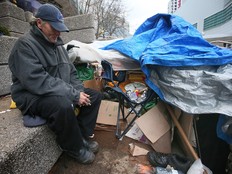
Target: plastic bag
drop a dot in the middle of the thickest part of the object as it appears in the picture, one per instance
(85, 73)
(198, 168)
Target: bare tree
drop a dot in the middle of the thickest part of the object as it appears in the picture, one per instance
(109, 16)
(85, 5)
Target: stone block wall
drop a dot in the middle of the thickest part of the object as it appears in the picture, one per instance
(17, 21)
(6, 44)
(13, 18)
(81, 28)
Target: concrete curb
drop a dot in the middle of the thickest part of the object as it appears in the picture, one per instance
(24, 150)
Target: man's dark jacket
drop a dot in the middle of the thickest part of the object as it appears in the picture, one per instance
(40, 68)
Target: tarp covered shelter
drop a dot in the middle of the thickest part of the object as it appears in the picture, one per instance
(182, 67)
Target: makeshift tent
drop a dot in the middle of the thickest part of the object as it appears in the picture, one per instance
(180, 65)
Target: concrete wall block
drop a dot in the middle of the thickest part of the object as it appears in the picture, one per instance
(6, 44)
(79, 22)
(15, 25)
(8, 9)
(36, 155)
(68, 8)
(85, 36)
(26, 150)
(13, 34)
(5, 80)
(28, 16)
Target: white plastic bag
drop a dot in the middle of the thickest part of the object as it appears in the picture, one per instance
(198, 168)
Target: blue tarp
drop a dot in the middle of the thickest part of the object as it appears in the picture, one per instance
(180, 65)
(227, 137)
(168, 40)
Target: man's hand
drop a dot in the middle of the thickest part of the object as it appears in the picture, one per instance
(84, 99)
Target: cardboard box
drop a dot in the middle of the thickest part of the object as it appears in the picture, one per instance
(94, 84)
(156, 128)
(186, 122)
(108, 112)
(136, 76)
(136, 134)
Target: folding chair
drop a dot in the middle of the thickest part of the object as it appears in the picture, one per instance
(109, 76)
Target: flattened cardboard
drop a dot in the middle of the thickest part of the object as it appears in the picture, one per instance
(153, 123)
(156, 128)
(108, 113)
(136, 134)
(136, 150)
(163, 144)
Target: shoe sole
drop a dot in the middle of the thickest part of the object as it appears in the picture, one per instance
(81, 161)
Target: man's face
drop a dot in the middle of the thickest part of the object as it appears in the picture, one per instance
(48, 31)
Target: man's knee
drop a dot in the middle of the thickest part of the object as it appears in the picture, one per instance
(64, 103)
(58, 103)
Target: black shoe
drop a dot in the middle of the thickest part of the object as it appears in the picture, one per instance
(91, 145)
(84, 156)
(162, 160)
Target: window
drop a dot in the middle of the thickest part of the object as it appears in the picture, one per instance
(218, 18)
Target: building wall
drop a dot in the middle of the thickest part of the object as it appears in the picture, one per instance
(173, 5)
(196, 11)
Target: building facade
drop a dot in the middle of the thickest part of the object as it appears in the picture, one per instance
(213, 18)
(173, 5)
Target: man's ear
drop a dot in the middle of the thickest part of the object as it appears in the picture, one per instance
(39, 23)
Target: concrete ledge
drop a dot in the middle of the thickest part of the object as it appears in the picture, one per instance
(24, 150)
